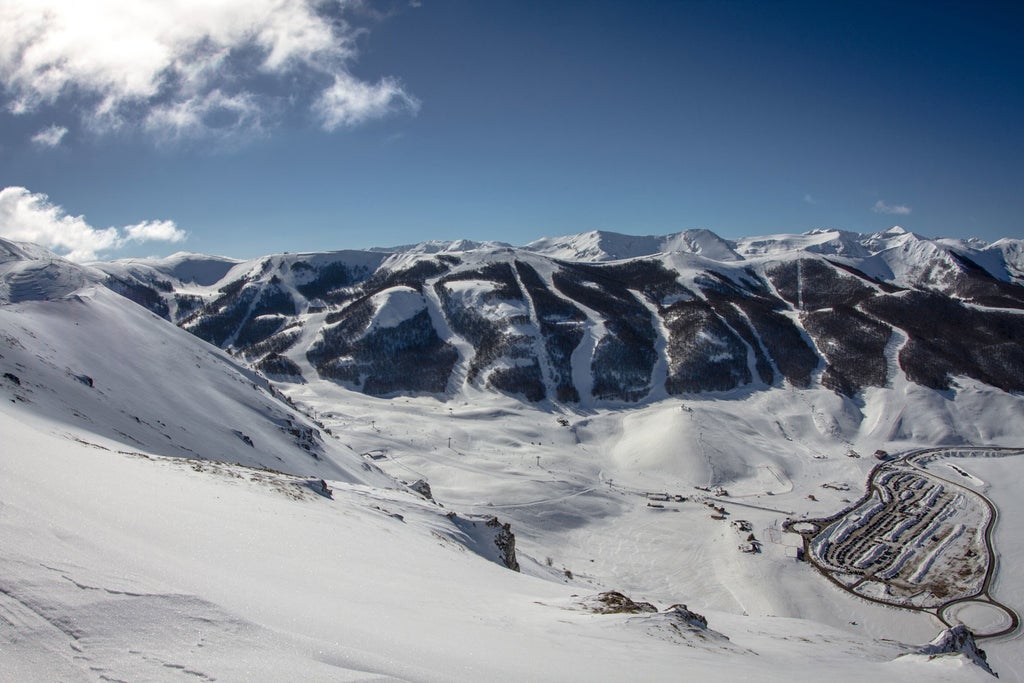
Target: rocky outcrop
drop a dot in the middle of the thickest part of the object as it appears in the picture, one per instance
(489, 537)
(684, 617)
(421, 487)
(676, 624)
(956, 641)
(614, 602)
(505, 542)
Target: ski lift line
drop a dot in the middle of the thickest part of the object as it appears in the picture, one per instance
(392, 458)
(730, 501)
(534, 502)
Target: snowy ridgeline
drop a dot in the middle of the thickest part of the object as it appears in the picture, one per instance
(605, 319)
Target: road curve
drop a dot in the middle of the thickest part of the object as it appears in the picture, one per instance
(942, 611)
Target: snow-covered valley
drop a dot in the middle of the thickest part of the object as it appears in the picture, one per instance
(163, 518)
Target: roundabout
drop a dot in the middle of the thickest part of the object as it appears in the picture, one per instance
(983, 618)
(916, 540)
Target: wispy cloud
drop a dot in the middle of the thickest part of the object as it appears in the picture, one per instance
(808, 199)
(189, 69)
(891, 209)
(190, 118)
(31, 217)
(50, 136)
(349, 102)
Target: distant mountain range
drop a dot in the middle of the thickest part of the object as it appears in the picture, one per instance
(602, 317)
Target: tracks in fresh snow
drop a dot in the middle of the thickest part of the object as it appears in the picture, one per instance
(532, 503)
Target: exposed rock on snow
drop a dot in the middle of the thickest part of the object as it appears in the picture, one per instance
(505, 542)
(614, 602)
(682, 614)
(489, 537)
(676, 623)
(956, 642)
(320, 486)
(421, 487)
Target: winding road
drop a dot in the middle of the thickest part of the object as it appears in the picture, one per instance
(981, 601)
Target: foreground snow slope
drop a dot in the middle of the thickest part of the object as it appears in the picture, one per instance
(575, 487)
(131, 567)
(84, 356)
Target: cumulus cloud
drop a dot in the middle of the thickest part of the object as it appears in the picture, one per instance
(189, 68)
(891, 209)
(349, 102)
(50, 136)
(153, 231)
(31, 217)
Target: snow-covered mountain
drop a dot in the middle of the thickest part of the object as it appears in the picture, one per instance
(579, 398)
(600, 245)
(678, 315)
(81, 355)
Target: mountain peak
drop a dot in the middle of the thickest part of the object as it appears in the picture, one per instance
(29, 272)
(603, 245)
(442, 247)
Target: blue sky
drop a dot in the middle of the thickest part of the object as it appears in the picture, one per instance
(241, 128)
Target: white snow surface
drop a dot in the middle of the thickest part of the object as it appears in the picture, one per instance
(394, 306)
(183, 266)
(894, 255)
(473, 294)
(92, 359)
(601, 245)
(442, 247)
(140, 568)
(136, 549)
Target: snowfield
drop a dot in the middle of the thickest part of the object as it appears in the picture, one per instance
(134, 567)
(166, 513)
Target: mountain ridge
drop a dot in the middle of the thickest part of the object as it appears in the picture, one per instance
(825, 308)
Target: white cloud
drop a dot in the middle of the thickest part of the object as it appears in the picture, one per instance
(190, 68)
(154, 231)
(206, 115)
(31, 217)
(50, 136)
(808, 199)
(349, 102)
(891, 209)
